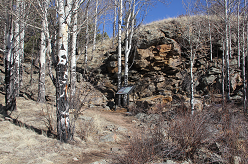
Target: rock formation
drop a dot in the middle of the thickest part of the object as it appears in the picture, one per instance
(159, 65)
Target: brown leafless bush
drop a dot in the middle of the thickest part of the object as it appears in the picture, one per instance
(233, 138)
(48, 116)
(186, 134)
(85, 128)
(141, 149)
(76, 104)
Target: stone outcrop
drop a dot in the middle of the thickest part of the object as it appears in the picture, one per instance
(159, 66)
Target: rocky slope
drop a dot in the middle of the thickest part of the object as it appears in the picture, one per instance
(159, 65)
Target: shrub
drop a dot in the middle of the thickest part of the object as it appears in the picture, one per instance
(141, 149)
(186, 134)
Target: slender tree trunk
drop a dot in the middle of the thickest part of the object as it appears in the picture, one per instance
(126, 54)
(95, 25)
(32, 63)
(86, 41)
(49, 53)
(22, 34)
(42, 92)
(227, 50)
(238, 36)
(230, 37)
(17, 48)
(10, 98)
(128, 43)
(62, 102)
(103, 27)
(73, 56)
(192, 80)
(119, 51)
(114, 24)
(223, 76)
(210, 35)
(243, 69)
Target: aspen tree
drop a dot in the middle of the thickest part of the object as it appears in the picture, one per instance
(238, 33)
(73, 53)
(16, 48)
(210, 35)
(62, 101)
(22, 35)
(95, 25)
(119, 51)
(128, 41)
(42, 92)
(114, 23)
(10, 98)
(86, 40)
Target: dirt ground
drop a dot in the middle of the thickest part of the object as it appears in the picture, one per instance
(23, 137)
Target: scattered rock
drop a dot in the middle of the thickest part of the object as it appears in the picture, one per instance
(100, 162)
(121, 130)
(115, 149)
(75, 159)
(108, 138)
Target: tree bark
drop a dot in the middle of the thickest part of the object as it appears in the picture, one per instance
(73, 57)
(17, 48)
(86, 41)
(223, 76)
(238, 17)
(114, 24)
(10, 98)
(95, 25)
(22, 34)
(243, 67)
(119, 52)
(62, 102)
(227, 50)
(42, 92)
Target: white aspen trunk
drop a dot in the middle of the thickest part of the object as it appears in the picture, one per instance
(49, 53)
(17, 48)
(128, 44)
(114, 24)
(73, 56)
(227, 49)
(223, 75)
(42, 74)
(191, 75)
(238, 17)
(210, 35)
(243, 67)
(126, 54)
(230, 38)
(119, 51)
(62, 102)
(95, 25)
(41, 92)
(10, 98)
(22, 34)
(192, 80)
(86, 41)
(103, 27)
(68, 8)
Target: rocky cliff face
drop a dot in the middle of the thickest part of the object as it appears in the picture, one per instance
(160, 66)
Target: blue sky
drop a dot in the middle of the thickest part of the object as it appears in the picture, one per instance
(158, 12)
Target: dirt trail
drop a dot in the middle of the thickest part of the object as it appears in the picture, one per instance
(23, 144)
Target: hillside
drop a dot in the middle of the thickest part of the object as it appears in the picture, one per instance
(158, 128)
